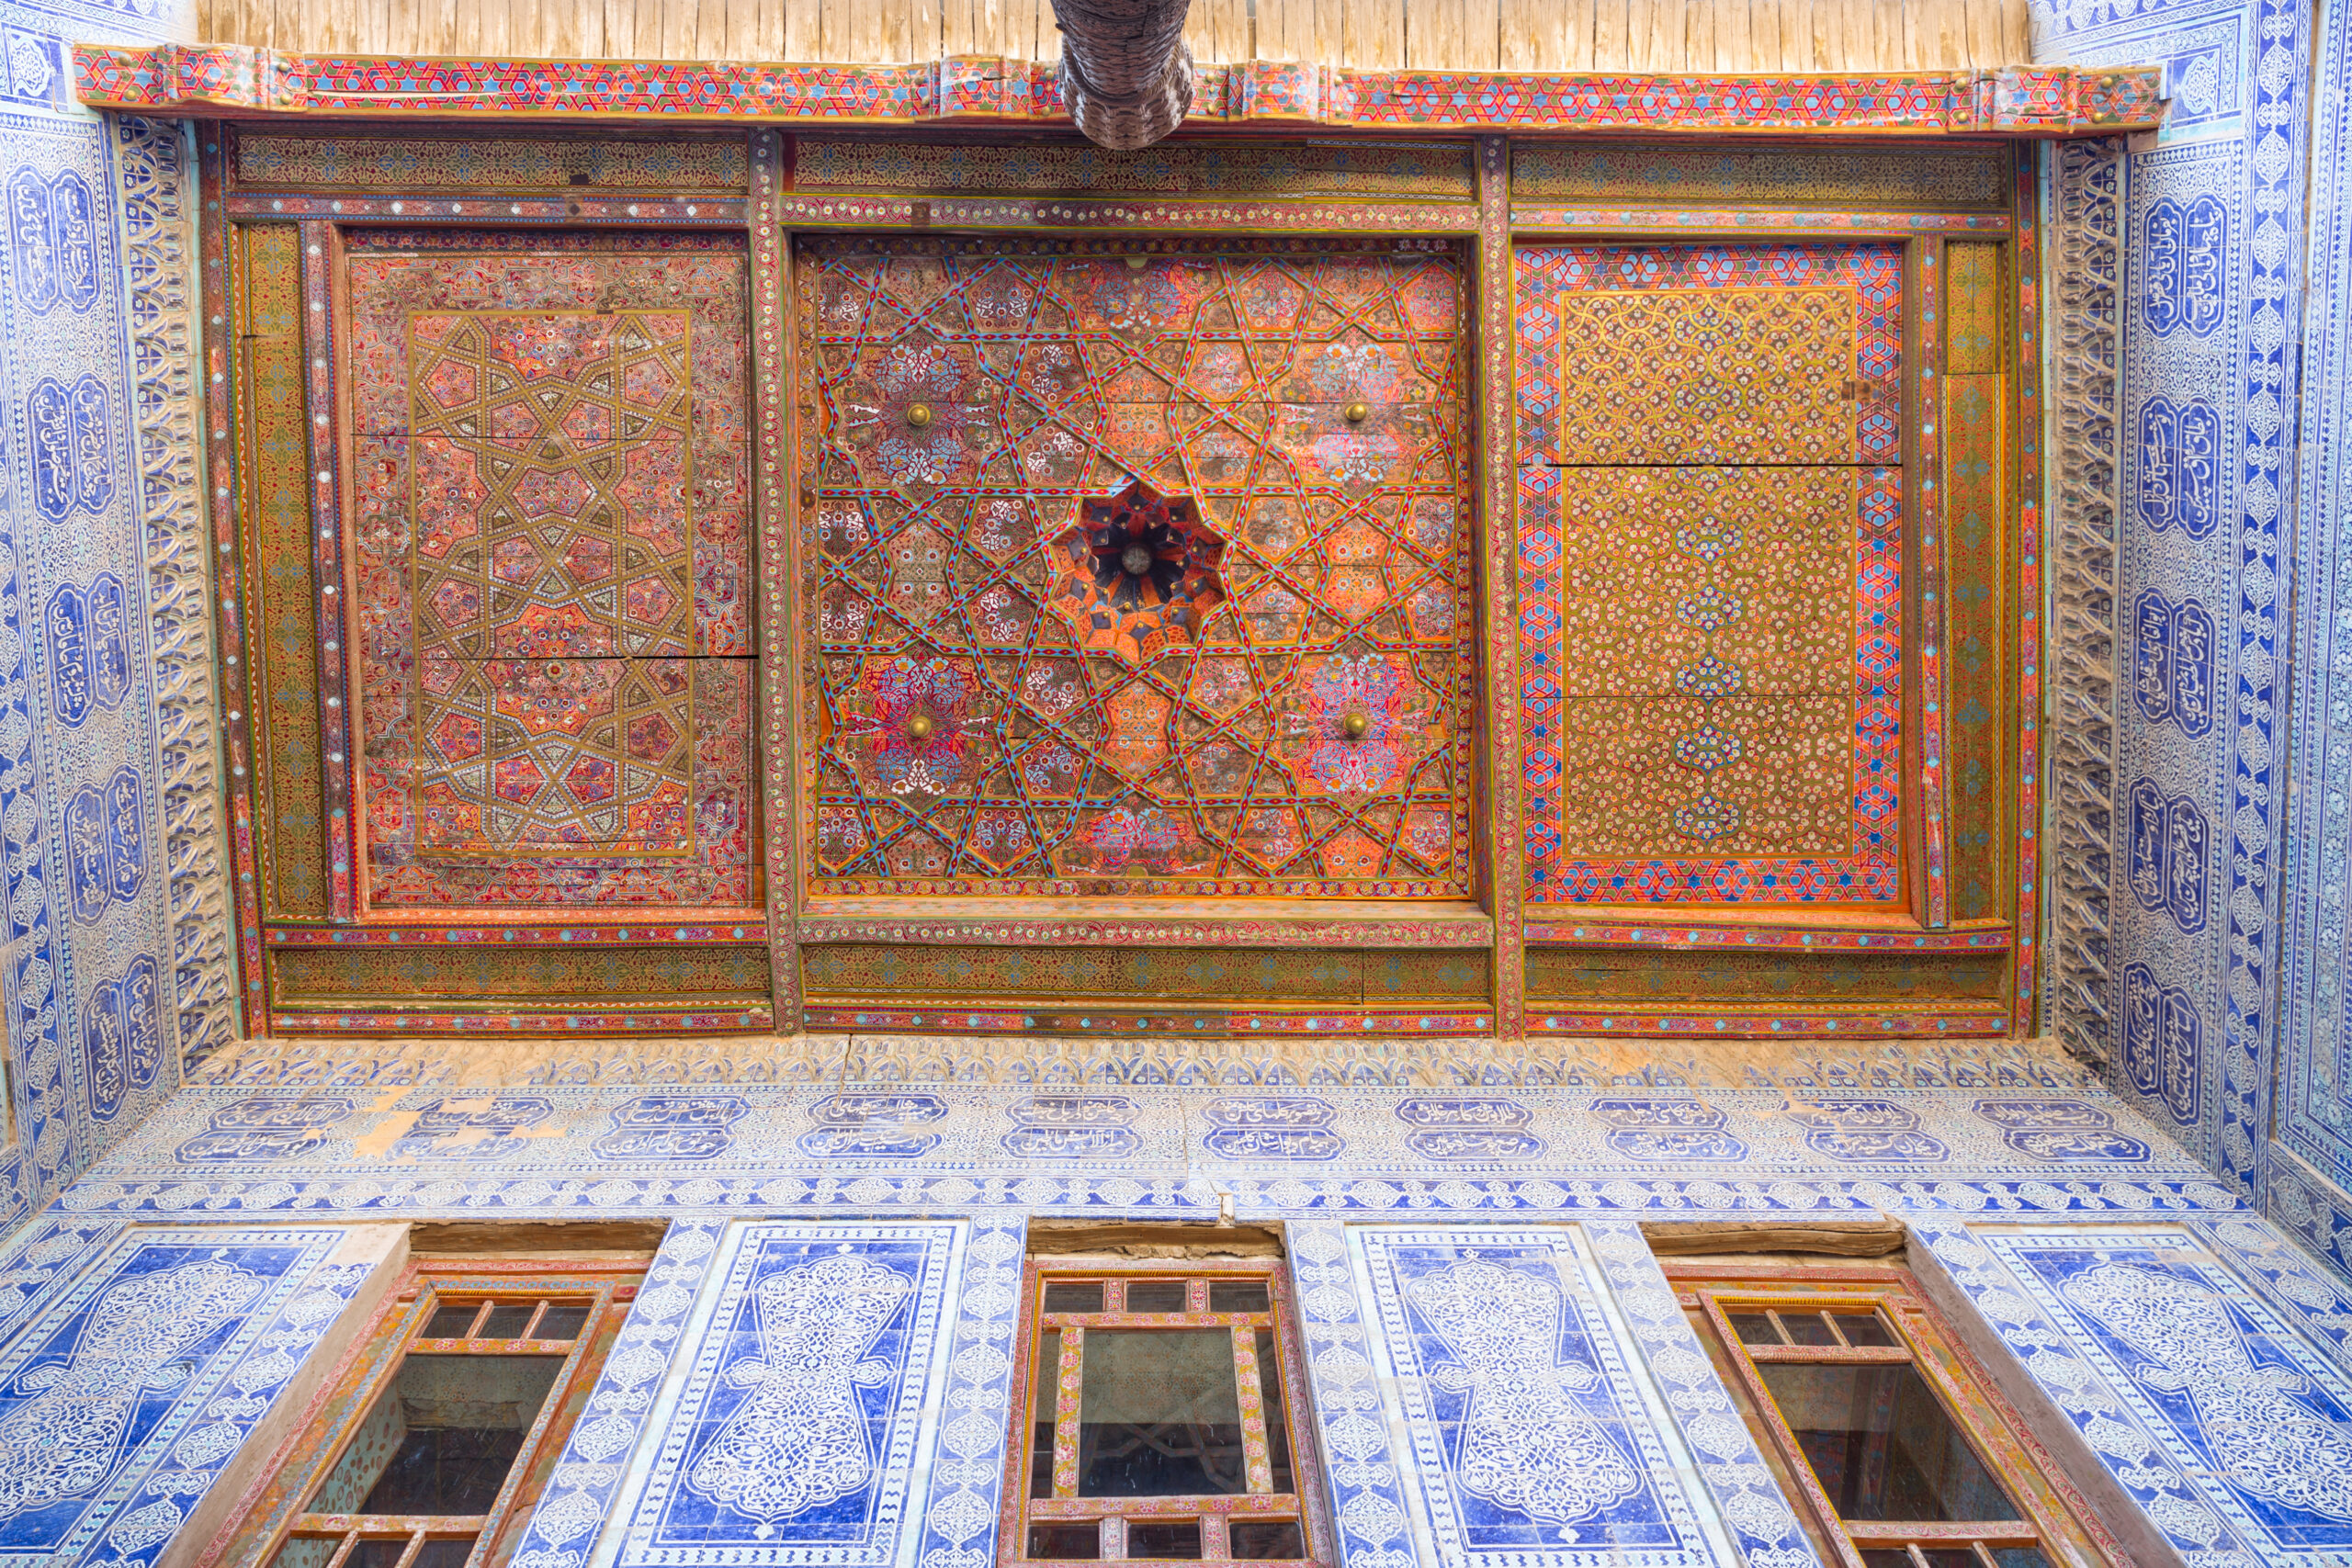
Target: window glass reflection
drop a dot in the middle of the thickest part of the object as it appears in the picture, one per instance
(1880, 1442)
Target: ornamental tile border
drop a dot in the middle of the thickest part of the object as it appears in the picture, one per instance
(580, 1494)
(1566, 1061)
(696, 1151)
(2313, 1117)
(1753, 1508)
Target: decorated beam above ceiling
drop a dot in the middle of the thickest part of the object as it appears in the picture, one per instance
(239, 80)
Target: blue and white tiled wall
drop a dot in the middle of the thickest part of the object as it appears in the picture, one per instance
(2199, 411)
(2200, 1362)
(2313, 1117)
(115, 966)
(2221, 1005)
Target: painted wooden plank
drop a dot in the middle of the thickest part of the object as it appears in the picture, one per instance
(1700, 39)
(1375, 37)
(1331, 29)
(738, 39)
(1820, 21)
(1661, 36)
(1735, 41)
(1984, 21)
(1675, 39)
(1640, 28)
(1228, 29)
(1604, 46)
(1485, 31)
(1428, 33)
(1284, 31)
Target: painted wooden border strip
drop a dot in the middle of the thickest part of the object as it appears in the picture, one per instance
(2022, 100)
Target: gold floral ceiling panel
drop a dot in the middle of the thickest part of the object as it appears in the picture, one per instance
(553, 633)
(1142, 573)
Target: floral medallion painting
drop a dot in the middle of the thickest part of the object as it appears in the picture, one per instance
(552, 609)
(1136, 571)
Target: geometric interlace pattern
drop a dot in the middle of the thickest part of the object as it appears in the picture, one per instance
(551, 606)
(1710, 512)
(1138, 573)
(552, 543)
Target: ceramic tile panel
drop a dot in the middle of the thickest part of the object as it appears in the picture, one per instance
(129, 1388)
(1533, 1436)
(106, 712)
(799, 1425)
(2313, 1112)
(2185, 1363)
(2208, 307)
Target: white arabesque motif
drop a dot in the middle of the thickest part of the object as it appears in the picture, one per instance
(2266, 1438)
(799, 1439)
(1525, 1443)
(66, 1440)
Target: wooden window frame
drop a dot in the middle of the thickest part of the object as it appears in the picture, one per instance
(1214, 1512)
(606, 1288)
(2057, 1521)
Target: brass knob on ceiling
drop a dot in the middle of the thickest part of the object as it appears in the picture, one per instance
(918, 414)
(1355, 724)
(920, 726)
(1356, 413)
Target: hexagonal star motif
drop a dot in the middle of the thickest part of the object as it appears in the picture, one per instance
(1138, 573)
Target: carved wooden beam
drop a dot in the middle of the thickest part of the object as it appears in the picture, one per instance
(1126, 75)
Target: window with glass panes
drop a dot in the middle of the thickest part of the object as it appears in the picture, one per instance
(1879, 1426)
(1164, 1419)
(449, 1422)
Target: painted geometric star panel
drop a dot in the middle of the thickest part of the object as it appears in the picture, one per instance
(1711, 543)
(553, 634)
(1137, 573)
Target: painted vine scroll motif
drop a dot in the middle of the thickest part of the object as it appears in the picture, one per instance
(1711, 550)
(551, 615)
(1138, 573)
